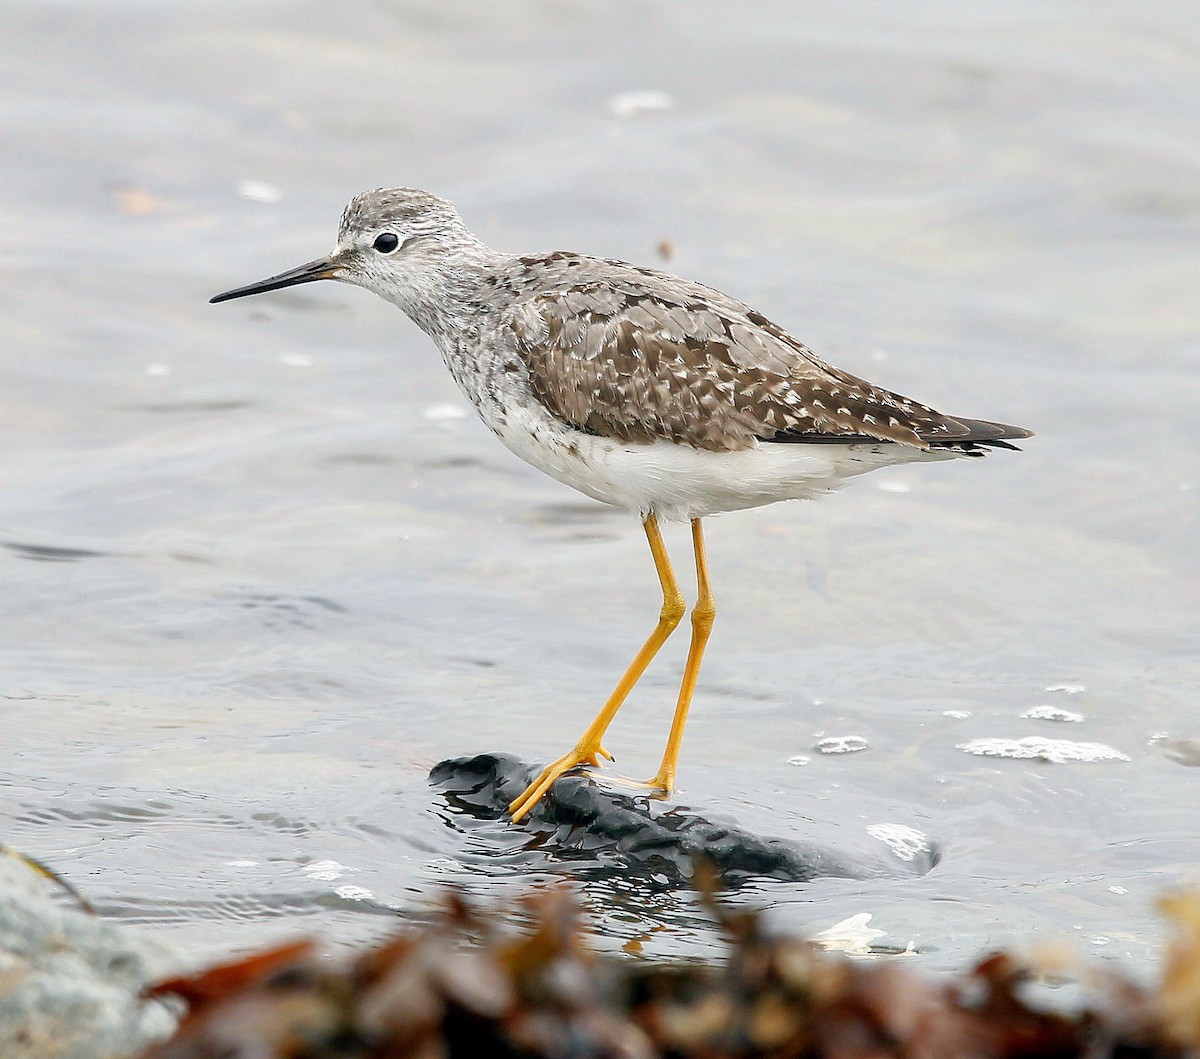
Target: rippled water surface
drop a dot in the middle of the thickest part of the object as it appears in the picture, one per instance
(261, 572)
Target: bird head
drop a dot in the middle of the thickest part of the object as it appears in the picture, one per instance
(405, 245)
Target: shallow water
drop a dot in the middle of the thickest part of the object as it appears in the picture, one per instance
(260, 573)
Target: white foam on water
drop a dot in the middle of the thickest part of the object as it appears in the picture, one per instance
(840, 744)
(1052, 713)
(904, 841)
(1033, 747)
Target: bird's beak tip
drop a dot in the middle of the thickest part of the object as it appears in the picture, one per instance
(310, 272)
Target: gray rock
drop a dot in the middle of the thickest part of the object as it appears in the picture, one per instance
(69, 981)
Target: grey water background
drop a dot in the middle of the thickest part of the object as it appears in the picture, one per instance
(262, 568)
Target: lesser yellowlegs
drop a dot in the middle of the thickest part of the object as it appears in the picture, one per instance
(639, 388)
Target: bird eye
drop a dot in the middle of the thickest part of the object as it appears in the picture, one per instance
(386, 242)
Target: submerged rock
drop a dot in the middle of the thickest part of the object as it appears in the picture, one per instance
(586, 821)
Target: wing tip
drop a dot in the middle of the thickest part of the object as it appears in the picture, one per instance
(983, 432)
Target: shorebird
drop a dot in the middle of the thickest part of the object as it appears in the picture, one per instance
(638, 388)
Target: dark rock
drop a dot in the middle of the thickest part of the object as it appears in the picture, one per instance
(581, 820)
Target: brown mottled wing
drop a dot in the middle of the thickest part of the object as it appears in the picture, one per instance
(628, 362)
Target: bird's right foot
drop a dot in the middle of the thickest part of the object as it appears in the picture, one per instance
(581, 755)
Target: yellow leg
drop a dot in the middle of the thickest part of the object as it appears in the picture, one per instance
(589, 748)
(703, 614)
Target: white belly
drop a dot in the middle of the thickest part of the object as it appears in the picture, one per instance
(678, 482)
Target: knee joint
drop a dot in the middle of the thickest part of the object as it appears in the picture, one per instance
(703, 614)
(673, 609)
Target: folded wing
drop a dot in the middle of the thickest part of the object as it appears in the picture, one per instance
(619, 353)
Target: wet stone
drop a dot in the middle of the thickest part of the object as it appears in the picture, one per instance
(582, 820)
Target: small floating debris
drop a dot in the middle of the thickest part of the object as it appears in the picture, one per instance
(139, 201)
(1032, 747)
(958, 715)
(851, 935)
(1052, 713)
(840, 744)
(631, 104)
(1182, 751)
(259, 191)
(442, 413)
(1068, 689)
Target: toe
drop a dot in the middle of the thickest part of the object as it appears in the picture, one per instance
(534, 793)
(661, 783)
(594, 757)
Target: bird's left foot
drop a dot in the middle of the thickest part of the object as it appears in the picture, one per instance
(581, 755)
(662, 784)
